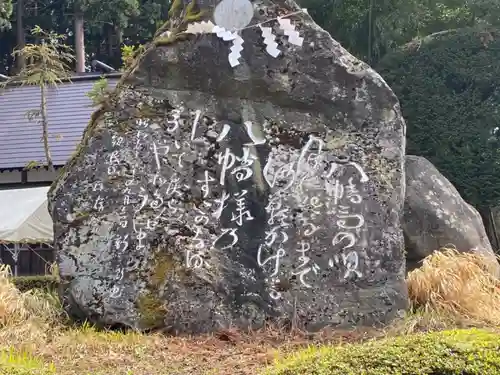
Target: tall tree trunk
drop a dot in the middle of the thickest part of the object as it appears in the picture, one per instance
(370, 31)
(119, 41)
(45, 128)
(108, 31)
(20, 35)
(79, 40)
(35, 13)
(119, 35)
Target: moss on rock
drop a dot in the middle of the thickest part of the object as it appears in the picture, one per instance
(180, 17)
(163, 265)
(152, 311)
(175, 8)
(454, 352)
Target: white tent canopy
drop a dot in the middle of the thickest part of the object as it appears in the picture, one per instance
(24, 216)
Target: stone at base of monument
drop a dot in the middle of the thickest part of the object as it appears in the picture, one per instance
(206, 196)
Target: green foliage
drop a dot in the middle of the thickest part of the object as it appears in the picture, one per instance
(112, 23)
(98, 92)
(488, 11)
(142, 27)
(369, 29)
(456, 352)
(46, 283)
(448, 85)
(32, 164)
(129, 53)
(365, 27)
(47, 63)
(5, 13)
(114, 12)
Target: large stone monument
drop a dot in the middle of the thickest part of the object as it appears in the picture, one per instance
(246, 169)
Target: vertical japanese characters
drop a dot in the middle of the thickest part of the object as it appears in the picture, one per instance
(305, 177)
(347, 207)
(305, 186)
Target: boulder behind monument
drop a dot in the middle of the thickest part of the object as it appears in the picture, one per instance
(205, 195)
(436, 216)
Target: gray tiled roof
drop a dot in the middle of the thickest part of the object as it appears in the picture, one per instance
(69, 111)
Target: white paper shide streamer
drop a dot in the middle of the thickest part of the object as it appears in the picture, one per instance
(270, 41)
(290, 31)
(236, 49)
(237, 45)
(233, 16)
(203, 27)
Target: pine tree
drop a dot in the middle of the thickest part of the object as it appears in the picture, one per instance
(5, 13)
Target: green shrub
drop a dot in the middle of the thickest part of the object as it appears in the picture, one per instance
(25, 283)
(456, 352)
(448, 85)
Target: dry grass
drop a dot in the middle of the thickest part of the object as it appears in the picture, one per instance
(86, 350)
(454, 290)
(18, 308)
(31, 323)
(457, 284)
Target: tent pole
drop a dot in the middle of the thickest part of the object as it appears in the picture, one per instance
(16, 255)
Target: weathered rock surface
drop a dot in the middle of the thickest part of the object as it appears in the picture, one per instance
(436, 216)
(205, 196)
